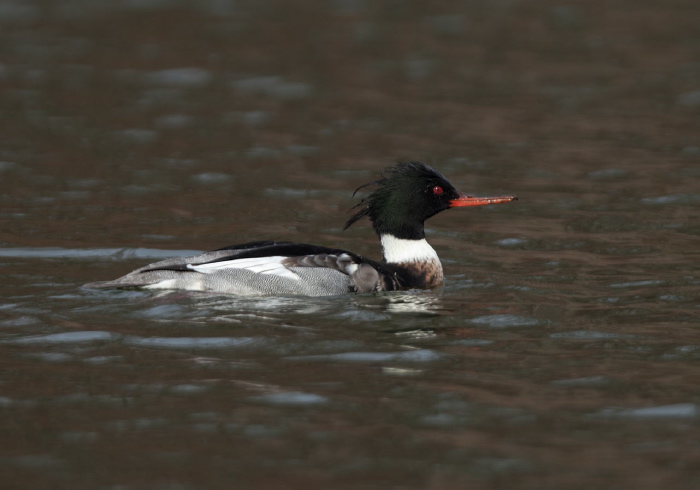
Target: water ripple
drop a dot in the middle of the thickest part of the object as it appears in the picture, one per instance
(418, 355)
(294, 398)
(679, 410)
(93, 253)
(504, 321)
(192, 342)
(65, 338)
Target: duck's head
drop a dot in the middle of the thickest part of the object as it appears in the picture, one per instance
(409, 193)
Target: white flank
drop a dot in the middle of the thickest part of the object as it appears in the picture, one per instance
(260, 265)
(398, 250)
(164, 284)
(172, 284)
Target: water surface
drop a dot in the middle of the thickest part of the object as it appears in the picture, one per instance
(562, 351)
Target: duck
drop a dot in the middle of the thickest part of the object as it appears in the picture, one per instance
(401, 200)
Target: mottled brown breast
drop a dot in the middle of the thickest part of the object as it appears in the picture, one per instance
(428, 273)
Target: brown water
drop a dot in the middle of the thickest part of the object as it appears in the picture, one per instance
(562, 351)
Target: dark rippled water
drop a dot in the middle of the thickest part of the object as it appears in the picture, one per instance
(562, 351)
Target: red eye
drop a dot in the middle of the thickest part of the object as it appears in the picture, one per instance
(437, 190)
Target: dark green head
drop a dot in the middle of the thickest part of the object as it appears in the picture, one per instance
(406, 195)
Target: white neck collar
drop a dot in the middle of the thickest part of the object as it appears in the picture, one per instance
(398, 250)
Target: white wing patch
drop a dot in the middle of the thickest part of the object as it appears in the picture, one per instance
(260, 265)
(350, 269)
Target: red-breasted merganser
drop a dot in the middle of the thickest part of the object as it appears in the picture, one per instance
(405, 196)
